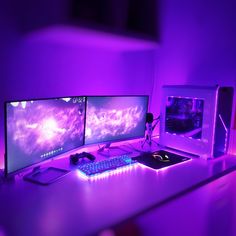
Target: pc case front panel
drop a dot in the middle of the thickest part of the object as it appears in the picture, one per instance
(202, 147)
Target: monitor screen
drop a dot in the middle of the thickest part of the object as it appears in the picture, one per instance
(115, 118)
(39, 129)
(184, 117)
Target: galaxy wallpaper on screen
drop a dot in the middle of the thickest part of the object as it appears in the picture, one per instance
(115, 118)
(40, 129)
(184, 117)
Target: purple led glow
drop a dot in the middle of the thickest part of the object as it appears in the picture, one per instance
(184, 116)
(114, 122)
(44, 127)
(163, 168)
(226, 133)
(107, 173)
(214, 123)
(124, 169)
(40, 129)
(115, 118)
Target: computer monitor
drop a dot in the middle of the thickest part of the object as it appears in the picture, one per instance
(196, 119)
(115, 118)
(36, 130)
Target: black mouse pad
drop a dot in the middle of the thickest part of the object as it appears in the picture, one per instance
(152, 159)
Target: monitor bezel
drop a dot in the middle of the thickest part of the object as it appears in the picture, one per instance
(6, 172)
(116, 140)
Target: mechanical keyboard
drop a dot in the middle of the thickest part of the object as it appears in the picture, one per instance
(99, 167)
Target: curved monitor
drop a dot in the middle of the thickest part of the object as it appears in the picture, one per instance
(115, 118)
(37, 130)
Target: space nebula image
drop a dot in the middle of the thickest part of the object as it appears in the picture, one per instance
(40, 129)
(184, 116)
(115, 118)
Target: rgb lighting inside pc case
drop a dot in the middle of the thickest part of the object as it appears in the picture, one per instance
(39, 129)
(196, 119)
(184, 116)
(115, 118)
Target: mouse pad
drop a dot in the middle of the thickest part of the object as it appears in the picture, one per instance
(154, 160)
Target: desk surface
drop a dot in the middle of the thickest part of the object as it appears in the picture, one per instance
(74, 206)
(207, 211)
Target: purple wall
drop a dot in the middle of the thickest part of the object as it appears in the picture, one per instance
(38, 65)
(6, 39)
(198, 44)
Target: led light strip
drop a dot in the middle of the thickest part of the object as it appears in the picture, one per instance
(122, 170)
(107, 173)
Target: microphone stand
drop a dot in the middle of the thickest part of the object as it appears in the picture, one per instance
(149, 130)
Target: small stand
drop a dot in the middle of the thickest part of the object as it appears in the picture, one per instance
(148, 139)
(45, 176)
(108, 151)
(149, 130)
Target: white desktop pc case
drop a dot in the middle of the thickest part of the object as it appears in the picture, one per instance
(215, 118)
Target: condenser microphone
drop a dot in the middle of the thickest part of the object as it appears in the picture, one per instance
(149, 118)
(149, 129)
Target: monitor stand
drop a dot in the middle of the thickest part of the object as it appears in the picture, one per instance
(6, 179)
(45, 176)
(108, 151)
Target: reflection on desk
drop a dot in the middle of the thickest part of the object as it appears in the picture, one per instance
(72, 206)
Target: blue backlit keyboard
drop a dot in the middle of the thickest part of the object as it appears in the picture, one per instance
(99, 167)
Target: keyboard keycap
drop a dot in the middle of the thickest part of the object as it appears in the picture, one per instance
(95, 168)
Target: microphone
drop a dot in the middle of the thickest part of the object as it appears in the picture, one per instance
(149, 129)
(149, 117)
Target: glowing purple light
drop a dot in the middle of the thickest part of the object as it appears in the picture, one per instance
(183, 116)
(113, 122)
(226, 133)
(42, 126)
(115, 118)
(107, 173)
(214, 122)
(122, 170)
(163, 168)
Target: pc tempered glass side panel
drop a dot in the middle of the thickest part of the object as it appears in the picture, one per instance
(40, 129)
(184, 117)
(115, 118)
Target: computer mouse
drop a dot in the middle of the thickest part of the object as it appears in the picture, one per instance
(161, 157)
